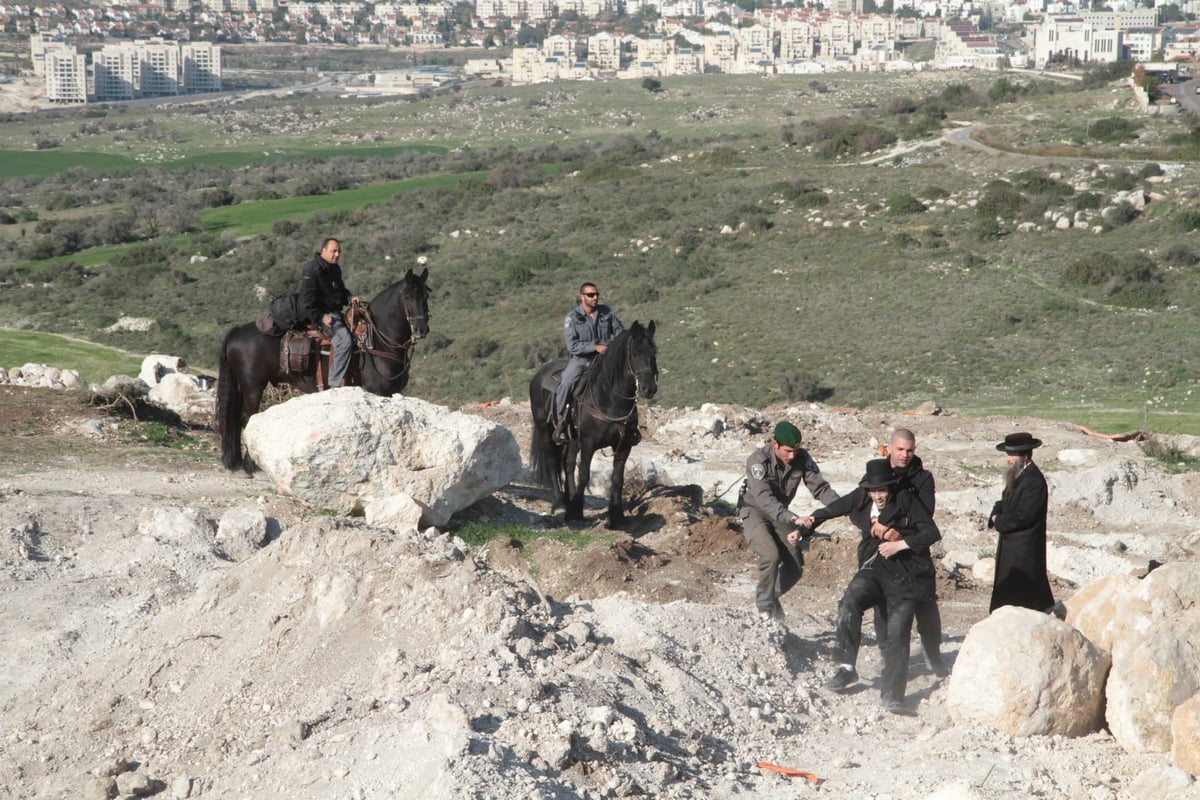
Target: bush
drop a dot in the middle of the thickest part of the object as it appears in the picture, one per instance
(1187, 220)
(651, 85)
(1112, 130)
(1180, 255)
(1121, 214)
(1151, 170)
(1035, 182)
(1000, 199)
(803, 386)
(1088, 201)
(904, 203)
(1094, 270)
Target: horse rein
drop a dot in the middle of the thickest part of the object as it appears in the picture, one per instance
(597, 413)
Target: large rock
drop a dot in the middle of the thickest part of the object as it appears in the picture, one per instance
(156, 367)
(346, 449)
(1026, 673)
(183, 394)
(1163, 594)
(1150, 678)
(1185, 735)
(1096, 608)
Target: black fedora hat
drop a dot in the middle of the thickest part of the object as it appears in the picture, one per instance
(1019, 443)
(879, 474)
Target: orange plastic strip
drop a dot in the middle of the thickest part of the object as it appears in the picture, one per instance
(789, 772)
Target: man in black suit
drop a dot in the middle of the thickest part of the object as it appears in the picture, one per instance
(1020, 519)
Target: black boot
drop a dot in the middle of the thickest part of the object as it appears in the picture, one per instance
(562, 431)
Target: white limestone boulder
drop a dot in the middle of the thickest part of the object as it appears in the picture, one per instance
(182, 393)
(242, 532)
(1161, 595)
(1025, 673)
(1152, 676)
(346, 449)
(1097, 607)
(1185, 735)
(156, 367)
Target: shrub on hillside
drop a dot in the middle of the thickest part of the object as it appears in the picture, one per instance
(1091, 270)
(1088, 201)
(1112, 130)
(803, 386)
(1180, 255)
(803, 193)
(1122, 213)
(1151, 170)
(844, 136)
(1035, 182)
(1187, 220)
(904, 203)
(1000, 199)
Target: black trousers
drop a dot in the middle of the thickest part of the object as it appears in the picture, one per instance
(929, 628)
(870, 588)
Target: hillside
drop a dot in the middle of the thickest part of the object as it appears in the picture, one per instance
(794, 239)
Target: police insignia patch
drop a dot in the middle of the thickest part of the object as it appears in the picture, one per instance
(757, 471)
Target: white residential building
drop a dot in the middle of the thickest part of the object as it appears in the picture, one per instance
(66, 75)
(201, 67)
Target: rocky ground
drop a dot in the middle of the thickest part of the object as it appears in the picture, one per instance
(141, 653)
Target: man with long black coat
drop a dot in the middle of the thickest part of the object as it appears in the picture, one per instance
(1020, 519)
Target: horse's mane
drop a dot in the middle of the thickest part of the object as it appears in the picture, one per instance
(391, 293)
(613, 362)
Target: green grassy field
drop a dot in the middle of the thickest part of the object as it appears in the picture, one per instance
(95, 363)
(768, 265)
(41, 163)
(250, 219)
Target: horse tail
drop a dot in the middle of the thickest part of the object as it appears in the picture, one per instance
(545, 457)
(229, 409)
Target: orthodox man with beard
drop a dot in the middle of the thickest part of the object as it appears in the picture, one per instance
(1020, 519)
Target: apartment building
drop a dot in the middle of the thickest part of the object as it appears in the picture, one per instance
(604, 51)
(66, 75)
(201, 67)
(115, 73)
(1073, 36)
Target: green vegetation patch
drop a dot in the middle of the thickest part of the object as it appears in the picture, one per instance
(95, 363)
(42, 163)
(248, 219)
(477, 535)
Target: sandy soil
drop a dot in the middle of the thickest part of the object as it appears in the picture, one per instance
(347, 661)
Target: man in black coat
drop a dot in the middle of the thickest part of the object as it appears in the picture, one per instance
(913, 478)
(896, 572)
(1020, 519)
(322, 297)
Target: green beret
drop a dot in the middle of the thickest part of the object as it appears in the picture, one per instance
(787, 434)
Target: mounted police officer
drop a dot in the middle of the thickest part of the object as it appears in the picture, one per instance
(773, 474)
(322, 296)
(588, 328)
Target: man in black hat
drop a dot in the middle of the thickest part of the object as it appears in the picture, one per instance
(773, 474)
(896, 572)
(1020, 519)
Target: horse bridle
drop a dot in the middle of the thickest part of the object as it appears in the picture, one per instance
(595, 412)
(405, 357)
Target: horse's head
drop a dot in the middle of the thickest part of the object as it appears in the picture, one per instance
(414, 299)
(643, 358)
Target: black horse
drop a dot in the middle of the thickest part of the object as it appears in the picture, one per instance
(606, 405)
(249, 360)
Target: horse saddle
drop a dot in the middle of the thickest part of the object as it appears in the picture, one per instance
(297, 348)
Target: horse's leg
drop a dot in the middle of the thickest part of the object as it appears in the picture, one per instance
(586, 450)
(616, 489)
(570, 458)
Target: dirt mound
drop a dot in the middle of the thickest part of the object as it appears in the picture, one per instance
(349, 661)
